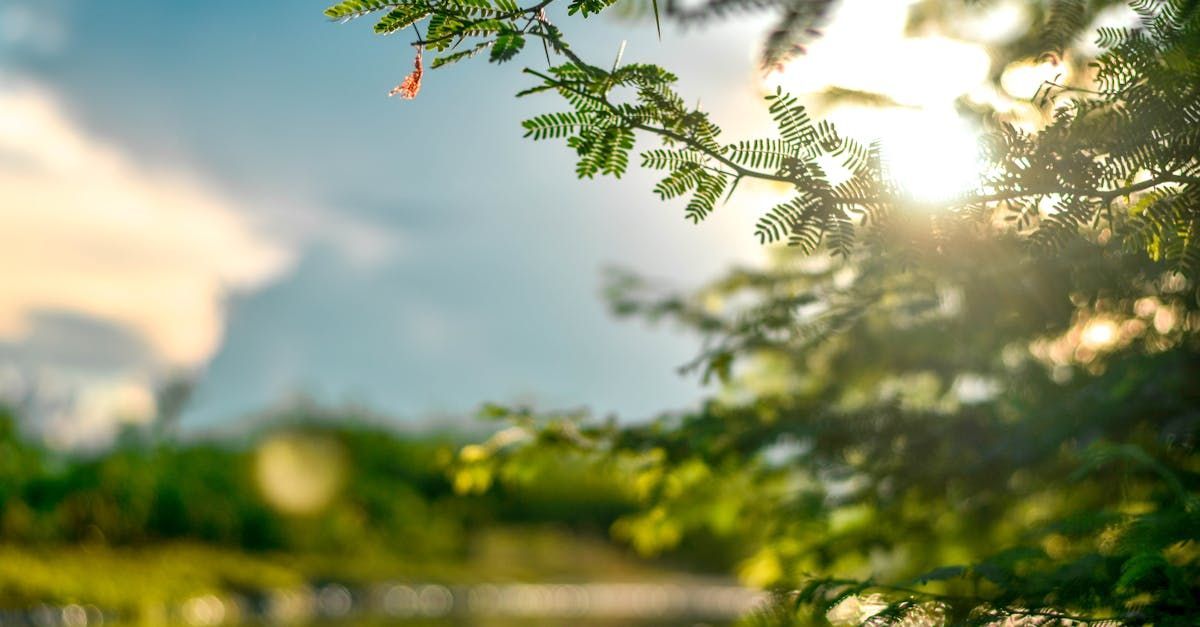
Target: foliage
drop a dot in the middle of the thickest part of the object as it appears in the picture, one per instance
(393, 493)
(141, 529)
(1120, 157)
(896, 437)
(978, 410)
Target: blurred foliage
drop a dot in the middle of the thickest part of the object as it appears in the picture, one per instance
(946, 440)
(979, 410)
(143, 584)
(157, 520)
(390, 490)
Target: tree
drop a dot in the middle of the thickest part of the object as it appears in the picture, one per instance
(981, 411)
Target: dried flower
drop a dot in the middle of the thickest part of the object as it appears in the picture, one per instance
(408, 88)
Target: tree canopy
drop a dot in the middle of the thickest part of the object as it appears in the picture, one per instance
(966, 411)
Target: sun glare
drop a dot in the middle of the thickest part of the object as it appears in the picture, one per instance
(933, 157)
(932, 154)
(928, 148)
(1099, 334)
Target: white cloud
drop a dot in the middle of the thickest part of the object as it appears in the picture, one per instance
(83, 229)
(87, 231)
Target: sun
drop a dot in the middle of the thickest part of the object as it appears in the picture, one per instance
(932, 156)
(929, 150)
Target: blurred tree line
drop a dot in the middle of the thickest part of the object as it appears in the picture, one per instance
(313, 481)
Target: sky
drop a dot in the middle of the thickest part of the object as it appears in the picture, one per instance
(223, 189)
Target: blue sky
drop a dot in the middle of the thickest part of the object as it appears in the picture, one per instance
(223, 188)
(419, 257)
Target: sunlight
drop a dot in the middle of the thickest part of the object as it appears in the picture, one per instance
(1024, 79)
(299, 473)
(934, 157)
(929, 149)
(933, 154)
(912, 71)
(1099, 334)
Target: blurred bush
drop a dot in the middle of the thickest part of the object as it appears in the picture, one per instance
(309, 483)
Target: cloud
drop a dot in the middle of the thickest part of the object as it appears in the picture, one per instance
(110, 274)
(113, 274)
(85, 230)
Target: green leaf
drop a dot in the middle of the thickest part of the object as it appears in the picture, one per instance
(708, 192)
(555, 125)
(588, 7)
(506, 46)
(669, 159)
(402, 17)
(1141, 567)
(685, 178)
(455, 57)
(766, 154)
(795, 127)
(350, 9)
(941, 574)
